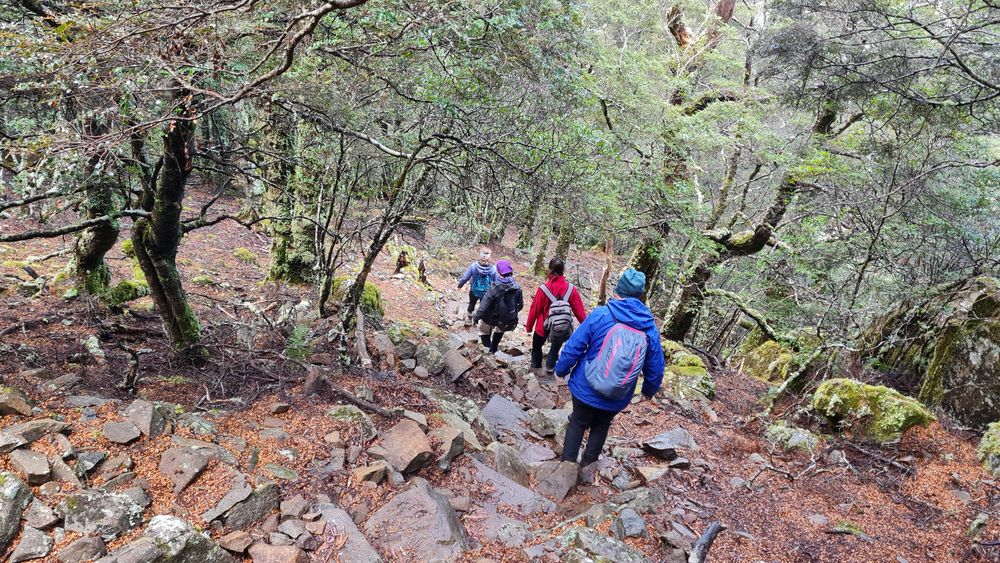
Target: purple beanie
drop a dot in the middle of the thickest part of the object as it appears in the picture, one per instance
(504, 268)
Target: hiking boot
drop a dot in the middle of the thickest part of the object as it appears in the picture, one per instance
(468, 320)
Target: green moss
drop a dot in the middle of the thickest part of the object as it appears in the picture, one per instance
(354, 415)
(400, 331)
(791, 438)
(14, 264)
(371, 300)
(125, 291)
(203, 280)
(741, 238)
(686, 374)
(770, 362)
(989, 449)
(880, 413)
(244, 255)
(127, 248)
(297, 346)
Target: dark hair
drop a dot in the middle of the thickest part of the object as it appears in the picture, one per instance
(556, 266)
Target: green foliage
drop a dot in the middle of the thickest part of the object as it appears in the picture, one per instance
(298, 346)
(244, 255)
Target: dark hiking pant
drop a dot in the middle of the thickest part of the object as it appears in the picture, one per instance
(582, 418)
(536, 352)
(490, 337)
(472, 302)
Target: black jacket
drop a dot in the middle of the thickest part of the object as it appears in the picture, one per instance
(500, 306)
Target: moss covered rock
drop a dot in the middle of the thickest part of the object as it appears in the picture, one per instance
(946, 348)
(771, 361)
(791, 438)
(989, 449)
(125, 291)
(686, 377)
(878, 412)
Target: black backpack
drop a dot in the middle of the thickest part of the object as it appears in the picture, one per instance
(506, 311)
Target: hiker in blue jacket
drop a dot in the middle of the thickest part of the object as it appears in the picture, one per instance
(482, 273)
(605, 355)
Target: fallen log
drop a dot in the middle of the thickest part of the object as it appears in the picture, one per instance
(699, 553)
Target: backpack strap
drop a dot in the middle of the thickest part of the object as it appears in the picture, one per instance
(568, 293)
(545, 290)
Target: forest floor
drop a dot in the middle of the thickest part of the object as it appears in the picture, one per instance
(851, 501)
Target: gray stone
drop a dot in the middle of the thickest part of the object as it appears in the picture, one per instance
(600, 547)
(62, 472)
(452, 443)
(263, 553)
(279, 407)
(421, 522)
(14, 498)
(209, 449)
(197, 424)
(650, 473)
(121, 432)
(308, 542)
(32, 466)
(642, 500)
(509, 463)
(354, 415)
(281, 472)
(81, 401)
(86, 548)
(456, 365)
(534, 453)
(292, 528)
(410, 364)
(259, 504)
(429, 356)
(356, 548)
(181, 542)
(376, 472)
(420, 419)
(546, 422)
(61, 384)
(40, 516)
(504, 491)
(182, 466)
(419, 371)
(463, 408)
(34, 544)
(146, 418)
(818, 520)
(791, 438)
(628, 524)
(98, 512)
(406, 447)
(64, 446)
(237, 541)
(505, 417)
(22, 434)
(239, 490)
(142, 550)
(334, 463)
(138, 496)
(87, 461)
(665, 445)
(14, 401)
(557, 478)
(115, 465)
(294, 507)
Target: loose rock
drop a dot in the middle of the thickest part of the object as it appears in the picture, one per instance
(14, 401)
(263, 553)
(14, 498)
(557, 478)
(420, 521)
(34, 544)
(32, 466)
(406, 447)
(86, 548)
(182, 466)
(665, 445)
(99, 512)
(356, 548)
(146, 418)
(121, 432)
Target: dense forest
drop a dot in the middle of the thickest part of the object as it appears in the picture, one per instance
(231, 233)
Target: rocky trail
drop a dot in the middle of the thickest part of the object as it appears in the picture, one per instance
(436, 452)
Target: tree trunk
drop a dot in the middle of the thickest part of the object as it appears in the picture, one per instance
(527, 233)
(565, 239)
(290, 198)
(155, 239)
(541, 248)
(93, 243)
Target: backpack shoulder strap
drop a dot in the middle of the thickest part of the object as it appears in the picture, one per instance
(545, 290)
(568, 293)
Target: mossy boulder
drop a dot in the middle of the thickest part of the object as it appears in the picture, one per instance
(877, 412)
(371, 297)
(791, 438)
(989, 449)
(686, 377)
(945, 348)
(354, 415)
(771, 361)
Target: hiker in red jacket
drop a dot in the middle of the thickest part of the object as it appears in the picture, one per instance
(551, 316)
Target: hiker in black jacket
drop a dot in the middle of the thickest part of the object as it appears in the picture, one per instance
(499, 308)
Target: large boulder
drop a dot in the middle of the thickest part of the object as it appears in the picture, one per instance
(169, 539)
(355, 547)
(989, 449)
(686, 377)
(98, 512)
(420, 522)
(405, 447)
(946, 348)
(791, 438)
(13, 401)
(877, 412)
(14, 498)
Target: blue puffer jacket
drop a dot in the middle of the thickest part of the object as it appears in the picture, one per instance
(585, 343)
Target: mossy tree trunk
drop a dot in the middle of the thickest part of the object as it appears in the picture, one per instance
(541, 247)
(524, 238)
(92, 243)
(155, 239)
(565, 239)
(647, 255)
(290, 200)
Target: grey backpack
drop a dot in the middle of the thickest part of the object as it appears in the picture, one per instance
(559, 324)
(616, 368)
